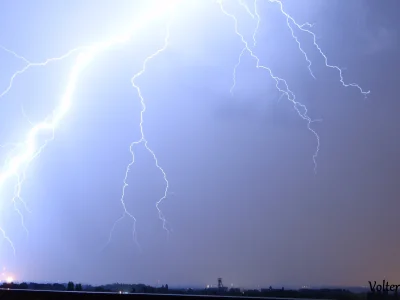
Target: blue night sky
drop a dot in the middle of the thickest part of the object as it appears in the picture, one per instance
(244, 202)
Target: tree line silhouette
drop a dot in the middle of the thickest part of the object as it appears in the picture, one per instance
(340, 294)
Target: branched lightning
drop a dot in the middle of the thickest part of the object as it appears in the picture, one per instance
(280, 83)
(143, 140)
(30, 65)
(299, 45)
(15, 54)
(22, 154)
(300, 108)
(303, 28)
(242, 3)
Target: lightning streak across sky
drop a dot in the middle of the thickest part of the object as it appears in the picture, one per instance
(22, 154)
(142, 140)
(281, 83)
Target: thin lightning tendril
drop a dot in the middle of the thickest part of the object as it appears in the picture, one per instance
(22, 154)
(30, 65)
(235, 68)
(143, 140)
(5, 236)
(16, 197)
(15, 54)
(301, 109)
(299, 45)
(258, 23)
(303, 28)
(242, 3)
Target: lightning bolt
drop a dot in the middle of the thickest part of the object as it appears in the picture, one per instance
(5, 236)
(20, 157)
(281, 83)
(22, 154)
(258, 23)
(16, 55)
(31, 65)
(242, 3)
(143, 140)
(303, 27)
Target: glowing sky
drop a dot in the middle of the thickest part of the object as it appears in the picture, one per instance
(244, 202)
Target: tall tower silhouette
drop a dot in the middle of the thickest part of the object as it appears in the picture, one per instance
(220, 285)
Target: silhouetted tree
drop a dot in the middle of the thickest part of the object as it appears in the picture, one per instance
(58, 287)
(23, 286)
(166, 287)
(78, 287)
(70, 286)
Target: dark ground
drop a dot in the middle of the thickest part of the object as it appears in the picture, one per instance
(44, 291)
(47, 295)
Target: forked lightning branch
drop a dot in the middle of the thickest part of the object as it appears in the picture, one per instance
(20, 155)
